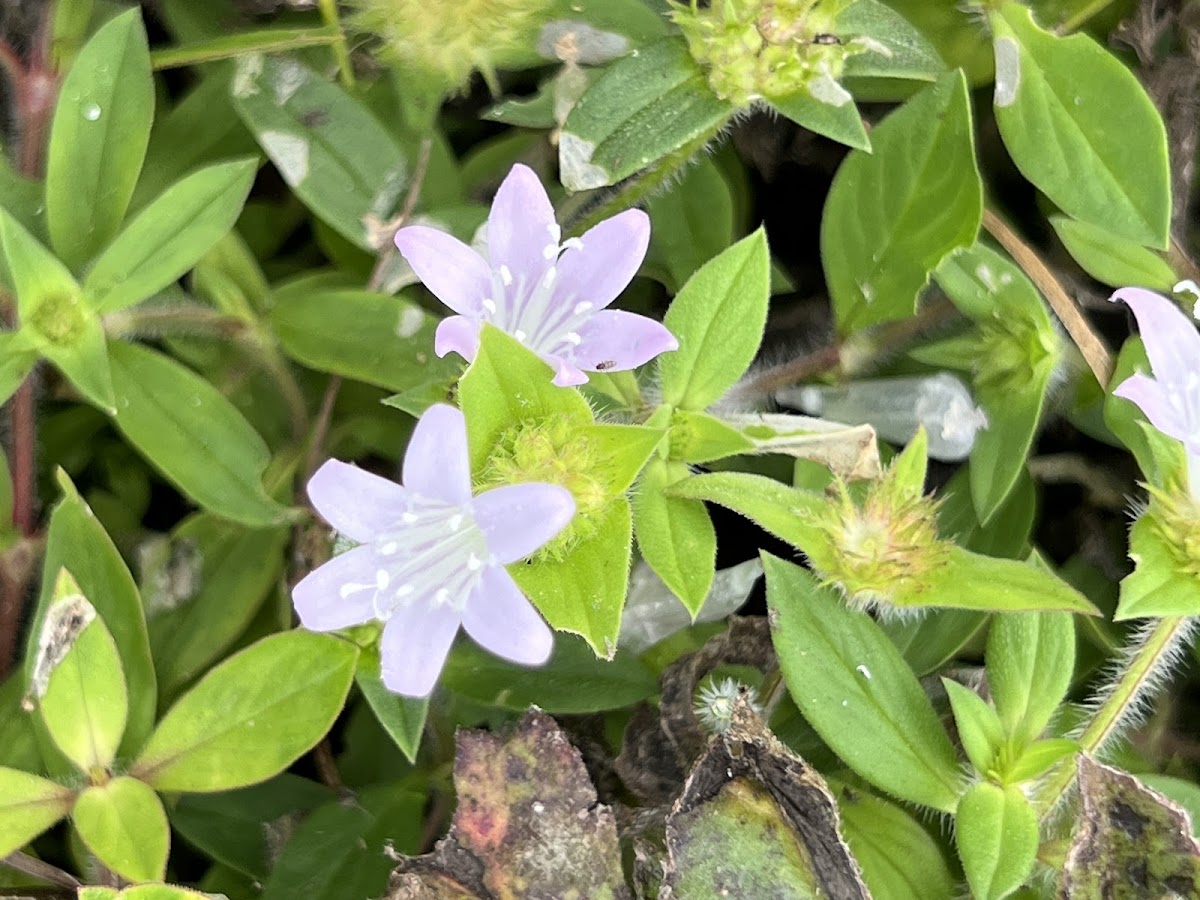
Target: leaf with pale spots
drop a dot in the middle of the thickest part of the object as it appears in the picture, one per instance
(528, 824)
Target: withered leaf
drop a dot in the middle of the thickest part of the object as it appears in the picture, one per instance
(1131, 842)
(756, 821)
(528, 825)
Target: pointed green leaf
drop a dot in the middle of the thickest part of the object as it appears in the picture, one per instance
(996, 831)
(1065, 105)
(1113, 260)
(855, 689)
(28, 806)
(1156, 587)
(690, 223)
(18, 355)
(907, 53)
(1030, 664)
(252, 716)
(228, 46)
(403, 718)
(329, 148)
(1037, 759)
(978, 726)
(786, 512)
(36, 276)
(644, 107)
(838, 123)
(169, 236)
(1004, 585)
(123, 822)
(76, 540)
(98, 139)
(718, 318)
(892, 215)
(697, 437)
(192, 434)
(675, 536)
(77, 680)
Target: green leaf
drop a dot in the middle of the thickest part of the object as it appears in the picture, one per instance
(329, 148)
(1065, 105)
(98, 139)
(697, 437)
(76, 540)
(573, 682)
(689, 224)
(892, 215)
(1030, 663)
(1113, 260)
(1037, 759)
(645, 106)
(1006, 585)
(28, 806)
(380, 340)
(675, 536)
(718, 318)
(143, 892)
(206, 592)
(1156, 587)
(1007, 533)
(344, 851)
(169, 236)
(18, 739)
(124, 824)
(252, 716)
(193, 435)
(36, 275)
(899, 858)
(1016, 355)
(403, 718)
(931, 641)
(18, 356)
(77, 680)
(508, 384)
(618, 453)
(909, 54)
(584, 591)
(786, 512)
(855, 689)
(996, 831)
(239, 828)
(227, 46)
(978, 726)
(838, 123)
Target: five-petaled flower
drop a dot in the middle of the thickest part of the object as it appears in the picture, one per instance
(432, 556)
(548, 293)
(1171, 399)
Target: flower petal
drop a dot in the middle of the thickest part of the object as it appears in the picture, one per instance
(1154, 403)
(1172, 342)
(338, 594)
(457, 334)
(517, 519)
(436, 464)
(501, 619)
(566, 374)
(614, 340)
(609, 257)
(414, 645)
(456, 274)
(355, 502)
(521, 225)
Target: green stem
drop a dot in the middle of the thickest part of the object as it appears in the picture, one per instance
(1142, 674)
(341, 53)
(1081, 16)
(640, 186)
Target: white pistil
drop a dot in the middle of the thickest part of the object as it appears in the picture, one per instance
(506, 277)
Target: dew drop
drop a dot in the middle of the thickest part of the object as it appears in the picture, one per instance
(863, 671)
(91, 112)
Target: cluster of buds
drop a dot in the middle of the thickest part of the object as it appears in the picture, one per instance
(763, 49)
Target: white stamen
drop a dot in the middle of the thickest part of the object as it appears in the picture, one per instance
(474, 562)
(409, 517)
(506, 275)
(389, 548)
(455, 521)
(555, 231)
(381, 579)
(441, 596)
(550, 251)
(550, 276)
(351, 587)
(489, 304)
(520, 335)
(572, 337)
(581, 307)
(404, 590)
(572, 244)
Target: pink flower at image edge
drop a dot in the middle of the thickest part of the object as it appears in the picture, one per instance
(551, 295)
(432, 556)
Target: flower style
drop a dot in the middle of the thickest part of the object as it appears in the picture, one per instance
(1171, 399)
(548, 293)
(432, 556)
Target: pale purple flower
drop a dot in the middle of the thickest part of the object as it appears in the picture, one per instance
(432, 556)
(1170, 399)
(548, 293)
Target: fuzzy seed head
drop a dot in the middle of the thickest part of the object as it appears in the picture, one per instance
(1175, 515)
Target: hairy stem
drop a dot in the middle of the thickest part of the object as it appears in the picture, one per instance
(1095, 354)
(1143, 673)
(29, 865)
(1081, 16)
